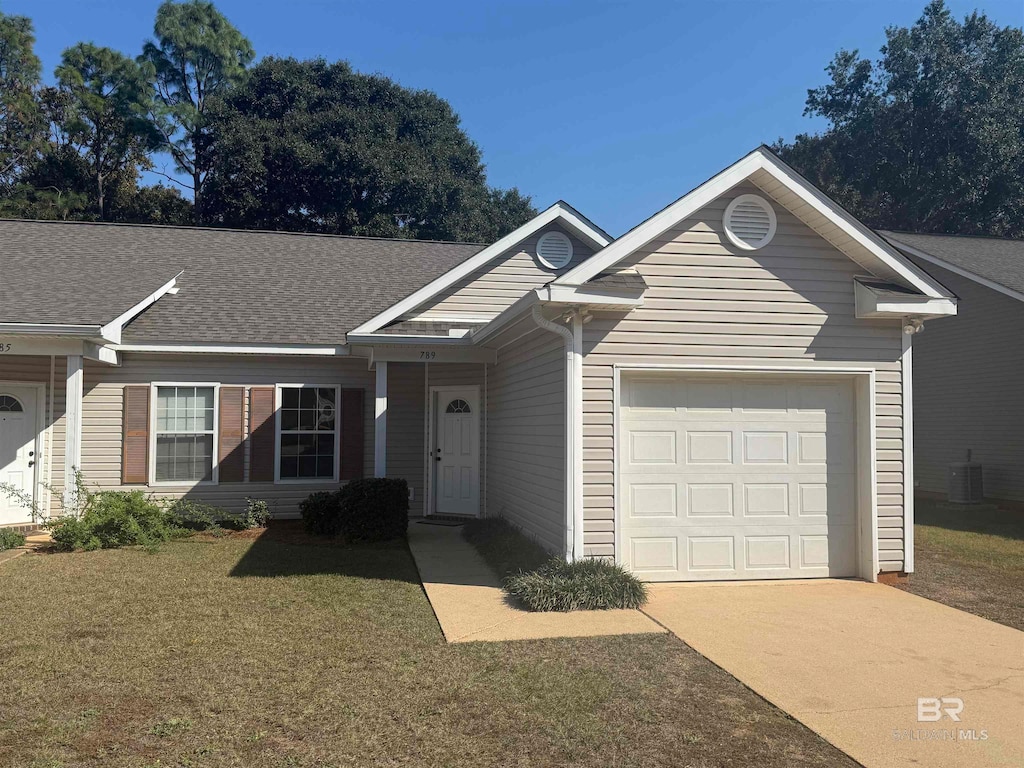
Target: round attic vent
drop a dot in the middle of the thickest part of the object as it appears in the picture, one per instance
(554, 250)
(750, 222)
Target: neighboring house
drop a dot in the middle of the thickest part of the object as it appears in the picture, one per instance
(969, 392)
(720, 393)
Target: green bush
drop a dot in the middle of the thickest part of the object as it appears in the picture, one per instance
(257, 513)
(11, 539)
(194, 515)
(577, 586)
(374, 509)
(371, 509)
(321, 513)
(115, 519)
(505, 548)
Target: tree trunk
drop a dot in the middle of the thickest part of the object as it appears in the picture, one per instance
(197, 198)
(100, 202)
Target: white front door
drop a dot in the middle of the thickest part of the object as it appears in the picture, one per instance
(738, 477)
(456, 455)
(17, 450)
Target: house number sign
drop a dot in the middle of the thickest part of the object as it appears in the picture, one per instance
(5, 347)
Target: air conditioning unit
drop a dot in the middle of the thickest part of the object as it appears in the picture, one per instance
(965, 483)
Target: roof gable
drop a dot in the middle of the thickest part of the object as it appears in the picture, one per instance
(780, 182)
(561, 213)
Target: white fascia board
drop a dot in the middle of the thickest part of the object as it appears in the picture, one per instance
(378, 339)
(759, 159)
(112, 330)
(507, 316)
(957, 270)
(584, 295)
(312, 350)
(49, 329)
(870, 304)
(559, 212)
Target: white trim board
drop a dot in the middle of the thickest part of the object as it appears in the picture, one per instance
(311, 350)
(112, 330)
(761, 159)
(559, 212)
(955, 269)
(867, 445)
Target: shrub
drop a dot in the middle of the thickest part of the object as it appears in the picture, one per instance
(115, 519)
(257, 513)
(194, 515)
(576, 586)
(321, 513)
(505, 548)
(374, 509)
(11, 539)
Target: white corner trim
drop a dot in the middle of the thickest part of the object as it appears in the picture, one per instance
(112, 330)
(907, 400)
(957, 270)
(380, 421)
(572, 408)
(759, 159)
(557, 212)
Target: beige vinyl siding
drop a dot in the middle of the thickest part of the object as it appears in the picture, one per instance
(968, 391)
(36, 369)
(501, 282)
(526, 434)
(103, 404)
(790, 303)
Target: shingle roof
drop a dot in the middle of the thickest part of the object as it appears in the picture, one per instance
(993, 258)
(237, 286)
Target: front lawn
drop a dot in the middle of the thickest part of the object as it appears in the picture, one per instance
(275, 651)
(970, 557)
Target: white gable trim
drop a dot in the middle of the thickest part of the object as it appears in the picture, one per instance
(759, 159)
(957, 270)
(559, 212)
(112, 330)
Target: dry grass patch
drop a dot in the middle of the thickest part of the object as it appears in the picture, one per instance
(268, 651)
(972, 558)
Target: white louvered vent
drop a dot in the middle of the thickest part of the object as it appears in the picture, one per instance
(750, 222)
(554, 250)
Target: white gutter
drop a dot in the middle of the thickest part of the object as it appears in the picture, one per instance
(572, 416)
(50, 329)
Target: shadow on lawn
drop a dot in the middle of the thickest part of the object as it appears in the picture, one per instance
(982, 518)
(285, 549)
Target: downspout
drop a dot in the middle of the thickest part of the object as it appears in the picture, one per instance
(568, 336)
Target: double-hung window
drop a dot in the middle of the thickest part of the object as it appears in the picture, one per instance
(308, 434)
(185, 427)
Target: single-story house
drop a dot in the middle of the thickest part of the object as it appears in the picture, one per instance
(970, 372)
(723, 392)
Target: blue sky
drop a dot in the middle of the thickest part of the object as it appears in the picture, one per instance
(616, 107)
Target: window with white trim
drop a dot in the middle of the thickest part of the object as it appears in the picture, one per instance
(308, 433)
(185, 423)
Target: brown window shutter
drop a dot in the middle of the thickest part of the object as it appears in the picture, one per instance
(352, 442)
(135, 435)
(262, 427)
(231, 441)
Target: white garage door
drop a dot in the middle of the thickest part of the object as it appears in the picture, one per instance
(737, 477)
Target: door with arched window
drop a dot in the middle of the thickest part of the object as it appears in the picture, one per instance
(456, 451)
(18, 454)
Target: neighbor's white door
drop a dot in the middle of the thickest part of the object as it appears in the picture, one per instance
(457, 454)
(17, 449)
(737, 477)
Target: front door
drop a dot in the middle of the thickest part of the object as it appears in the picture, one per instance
(17, 451)
(457, 452)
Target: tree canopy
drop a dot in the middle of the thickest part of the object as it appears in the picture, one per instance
(928, 138)
(315, 146)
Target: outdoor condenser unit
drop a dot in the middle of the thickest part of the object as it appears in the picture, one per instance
(965, 485)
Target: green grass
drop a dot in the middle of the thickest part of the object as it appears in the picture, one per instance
(972, 558)
(273, 651)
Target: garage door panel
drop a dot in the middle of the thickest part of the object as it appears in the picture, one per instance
(741, 479)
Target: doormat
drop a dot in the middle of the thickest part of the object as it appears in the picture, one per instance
(446, 523)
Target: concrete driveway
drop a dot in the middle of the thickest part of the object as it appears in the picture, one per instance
(850, 660)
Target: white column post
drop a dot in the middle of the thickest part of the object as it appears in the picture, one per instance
(73, 428)
(380, 440)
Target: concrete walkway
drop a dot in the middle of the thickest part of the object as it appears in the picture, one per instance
(467, 599)
(850, 659)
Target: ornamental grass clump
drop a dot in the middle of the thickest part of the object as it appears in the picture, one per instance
(582, 585)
